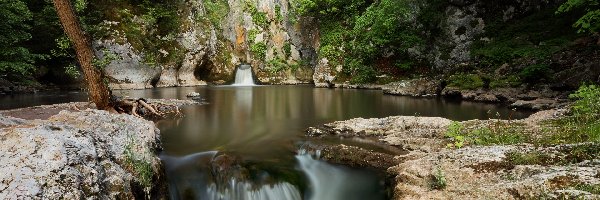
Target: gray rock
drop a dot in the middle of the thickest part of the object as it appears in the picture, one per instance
(75, 155)
(536, 104)
(193, 94)
(415, 87)
(128, 72)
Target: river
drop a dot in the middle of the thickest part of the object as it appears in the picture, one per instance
(244, 143)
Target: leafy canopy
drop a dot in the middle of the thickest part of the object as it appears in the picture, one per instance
(590, 21)
(14, 31)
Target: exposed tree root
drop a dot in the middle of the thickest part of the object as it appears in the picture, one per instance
(142, 108)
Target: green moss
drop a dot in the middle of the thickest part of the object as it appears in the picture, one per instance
(259, 50)
(466, 81)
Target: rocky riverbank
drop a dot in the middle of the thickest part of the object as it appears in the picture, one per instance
(73, 151)
(541, 97)
(435, 167)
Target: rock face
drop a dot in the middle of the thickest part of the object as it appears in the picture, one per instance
(212, 51)
(466, 21)
(282, 50)
(128, 72)
(75, 155)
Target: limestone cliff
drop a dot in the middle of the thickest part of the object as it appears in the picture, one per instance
(215, 36)
(212, 44)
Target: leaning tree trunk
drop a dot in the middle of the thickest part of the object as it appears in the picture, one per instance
(98, 91)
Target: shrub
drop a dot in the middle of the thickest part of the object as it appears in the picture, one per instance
(438, 180)
(494, 133)
(216, 10)
(466, 81)
(259, 50)
(583, 124)
(535, 73)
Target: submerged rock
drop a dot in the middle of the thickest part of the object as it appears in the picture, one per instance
(75, 155)
(193, 94)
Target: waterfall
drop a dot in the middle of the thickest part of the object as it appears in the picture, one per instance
(331, 182)
(243, 76)
(195, 177)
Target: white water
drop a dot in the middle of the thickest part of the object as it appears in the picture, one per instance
(243, 76)
(193, 177)
(331, 182)
(247, 191)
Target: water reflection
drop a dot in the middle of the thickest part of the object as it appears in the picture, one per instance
(260, 121)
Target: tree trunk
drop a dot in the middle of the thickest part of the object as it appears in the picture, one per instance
(97, 89)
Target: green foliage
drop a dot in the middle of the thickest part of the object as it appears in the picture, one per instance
(588, 102)
(259, 50)
(277, 65)
(252, 35)
(355, 34)
(139, 165)
(455, 133)
(278, 14)
(509, 81)
(529, 158)
(590, 21)
(258, 18)
(495, 132)
(151, 27)
(106, 58)
(583, 125)
(287, 49)
(499, 135)
(438, 180)
(216, 11)
(15, 29)
(535, 73)
(535, 37)
(594, 189)
(564, 156)
(72, 71)
(466, 81)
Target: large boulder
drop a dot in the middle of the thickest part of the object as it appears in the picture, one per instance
(128, 71)
(74, 155)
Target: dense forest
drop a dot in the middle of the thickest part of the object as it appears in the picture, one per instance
(365, 41)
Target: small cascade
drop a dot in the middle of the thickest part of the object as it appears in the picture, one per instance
(243, 76)
(199, 176)
(331, 182)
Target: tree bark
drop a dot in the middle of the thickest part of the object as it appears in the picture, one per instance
(97, 89)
